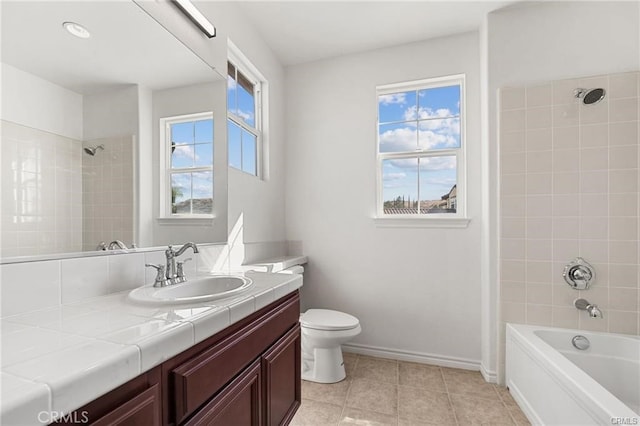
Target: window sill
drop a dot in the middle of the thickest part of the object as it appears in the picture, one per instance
(184, 220)
(432, 222)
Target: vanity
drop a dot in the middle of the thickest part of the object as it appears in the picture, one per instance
(247, 374)
(232, 361)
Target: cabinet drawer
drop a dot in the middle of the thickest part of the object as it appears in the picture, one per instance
(137, 402)
(198, 379)
(238, 404)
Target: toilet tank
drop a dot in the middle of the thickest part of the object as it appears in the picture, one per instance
(285, 264)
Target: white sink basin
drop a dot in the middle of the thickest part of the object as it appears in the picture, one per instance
(193, 291)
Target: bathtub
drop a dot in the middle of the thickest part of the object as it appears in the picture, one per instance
(556, 384)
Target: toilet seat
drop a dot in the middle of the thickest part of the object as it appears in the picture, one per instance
(325, 319)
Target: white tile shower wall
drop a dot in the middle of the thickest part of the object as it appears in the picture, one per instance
(108, 207)
(42, 192)
(569, 187)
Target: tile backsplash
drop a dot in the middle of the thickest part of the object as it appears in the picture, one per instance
(569, 187)
(29, 286)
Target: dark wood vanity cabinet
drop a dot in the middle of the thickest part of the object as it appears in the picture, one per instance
(247, 374)
(239, 403)
(281, 382)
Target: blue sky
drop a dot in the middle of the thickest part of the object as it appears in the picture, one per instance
(419, 120)
(242, 144)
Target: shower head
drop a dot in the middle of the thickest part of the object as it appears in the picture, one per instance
(91, 150)
(590, 96)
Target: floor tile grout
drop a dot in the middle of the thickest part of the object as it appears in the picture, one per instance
(352, 377)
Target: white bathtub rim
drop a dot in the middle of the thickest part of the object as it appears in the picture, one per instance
(559, 370)
(568, 375)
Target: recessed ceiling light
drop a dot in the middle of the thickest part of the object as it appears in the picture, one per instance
(76, 29)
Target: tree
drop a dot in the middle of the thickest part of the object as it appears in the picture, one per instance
(176, 192)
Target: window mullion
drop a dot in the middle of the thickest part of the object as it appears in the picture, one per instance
(241, 123)
(418, 185)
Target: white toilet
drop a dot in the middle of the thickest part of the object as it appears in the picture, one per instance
(323, 330)
(323, 333)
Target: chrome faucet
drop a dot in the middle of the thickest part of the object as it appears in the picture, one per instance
(592, 309)
(117, 244)
(171, 273)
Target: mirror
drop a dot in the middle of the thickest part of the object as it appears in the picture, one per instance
(81, 136)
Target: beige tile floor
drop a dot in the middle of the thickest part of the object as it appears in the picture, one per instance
(386, 392)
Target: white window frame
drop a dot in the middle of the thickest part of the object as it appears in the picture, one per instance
(244, 66)
(165, 169)
(459, 218)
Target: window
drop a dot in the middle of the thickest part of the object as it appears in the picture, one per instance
(187, 181)
(420, 142)
(244, 119)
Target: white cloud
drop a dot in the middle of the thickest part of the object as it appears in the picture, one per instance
(394, 176)
(185, 151)
(394, 98)
(247, 116)
(431, 134)
(398, 139)
(415, 113)
(438, 163)
(231, 83)
(443, 182)
(199, 184)
(426, 163)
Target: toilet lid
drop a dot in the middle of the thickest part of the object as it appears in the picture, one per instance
(325, 319)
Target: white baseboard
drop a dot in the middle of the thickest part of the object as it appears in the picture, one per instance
(489, 376)
(439, 360)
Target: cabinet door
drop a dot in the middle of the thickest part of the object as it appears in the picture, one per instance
(238, 404)
(281, 371)
(143, 410)
(195, 380)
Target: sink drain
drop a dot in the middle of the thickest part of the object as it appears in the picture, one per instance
(580, 342)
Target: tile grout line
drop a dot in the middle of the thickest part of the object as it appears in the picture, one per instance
(504, 404)
(397, 386)
(446, 388)
(346, 396)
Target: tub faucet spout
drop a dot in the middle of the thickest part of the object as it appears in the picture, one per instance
(592, 309)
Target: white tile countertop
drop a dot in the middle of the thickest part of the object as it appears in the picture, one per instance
(57, 359)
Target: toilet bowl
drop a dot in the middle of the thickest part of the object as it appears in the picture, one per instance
(323, 333)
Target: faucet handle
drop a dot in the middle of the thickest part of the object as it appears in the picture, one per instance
(160, 280)
(180, 270)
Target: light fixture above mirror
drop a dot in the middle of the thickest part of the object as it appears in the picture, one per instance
(196, 17)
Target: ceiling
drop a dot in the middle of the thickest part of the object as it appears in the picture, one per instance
(126, 46)
(304, 31)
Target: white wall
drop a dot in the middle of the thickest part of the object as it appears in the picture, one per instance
(260, 203)
(182, 101)
(414, 290)
(112, 113)
(34, 102)
(551, 41)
